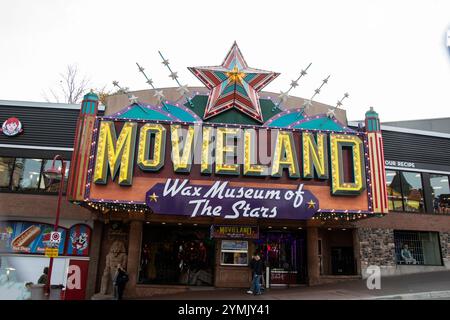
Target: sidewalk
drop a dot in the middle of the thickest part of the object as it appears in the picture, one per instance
(415, 286)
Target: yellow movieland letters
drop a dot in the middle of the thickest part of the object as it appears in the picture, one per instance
(206, 158)
(156, 161)
(223, 149)
(182, 163)
(338, 185)
(315, 155)
(115, 152)
(251, 169)
(285, 155)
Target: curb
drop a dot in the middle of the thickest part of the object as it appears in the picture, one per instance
(414, 296)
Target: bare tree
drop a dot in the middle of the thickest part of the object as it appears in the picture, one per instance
(71, 87)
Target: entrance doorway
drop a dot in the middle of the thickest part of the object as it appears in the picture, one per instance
(342, 261)
(177, 255)
(285, 255)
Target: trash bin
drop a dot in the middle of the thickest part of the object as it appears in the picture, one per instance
(56, 292)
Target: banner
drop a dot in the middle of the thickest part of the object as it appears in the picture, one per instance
(77, 275)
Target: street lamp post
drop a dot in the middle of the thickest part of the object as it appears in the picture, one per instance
(51, 174)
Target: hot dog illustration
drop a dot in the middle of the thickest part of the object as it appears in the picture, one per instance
(26, 238)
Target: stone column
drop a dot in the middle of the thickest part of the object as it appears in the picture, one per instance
(96, 242)
(312, 255)
(134, 248)
(356, 251)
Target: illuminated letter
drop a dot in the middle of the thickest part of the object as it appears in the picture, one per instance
(315, 155)
(206, 160)
(338, 185)
(250, 168)
(183, 163)
(223, 150)
(156, 161)
(285, 155)
(117, 152)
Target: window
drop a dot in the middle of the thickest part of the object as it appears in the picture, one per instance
(440, 193)
(417, 248)
(405, 192)
(6, 168)
(234, 253)
(50, 185)
(27, 175)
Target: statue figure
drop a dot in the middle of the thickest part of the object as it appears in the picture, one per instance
(117, 255)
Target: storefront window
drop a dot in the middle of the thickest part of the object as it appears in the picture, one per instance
(234, 253)
(6, 168)
(394, 191)
(26, 174)
(412, 192)
(417, 248)
(176, 255)
(405, 191)
(283, 253)
(441, 193)
(53, 185)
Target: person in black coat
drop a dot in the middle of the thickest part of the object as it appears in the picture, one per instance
(257, 267)
(120, 280)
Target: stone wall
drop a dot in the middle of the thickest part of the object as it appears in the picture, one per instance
(445, 248)
(377, 248)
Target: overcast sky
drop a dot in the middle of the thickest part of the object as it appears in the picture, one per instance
(391, 55)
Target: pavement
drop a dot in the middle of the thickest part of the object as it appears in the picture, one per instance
(421, 286)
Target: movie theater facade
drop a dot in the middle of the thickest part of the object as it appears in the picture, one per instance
(192, 189)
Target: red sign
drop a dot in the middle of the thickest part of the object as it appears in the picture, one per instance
(77, 274)
(11, 127)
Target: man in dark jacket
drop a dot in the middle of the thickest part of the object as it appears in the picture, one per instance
(120, 280)
(257, 267)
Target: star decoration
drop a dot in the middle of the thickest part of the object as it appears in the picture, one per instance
(233, 85)
(115, 83)
(165, 62)
(174, 75)
(133, 99)
(153, 197)
(331, 114)
(283, 96)
(183, 90)
(307, 104)
(294, 83)
(311, 204)
(159, 94)
(149, 81)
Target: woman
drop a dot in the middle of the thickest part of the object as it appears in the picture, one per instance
(120, 280)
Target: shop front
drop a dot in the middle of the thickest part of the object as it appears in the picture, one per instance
(199, 191)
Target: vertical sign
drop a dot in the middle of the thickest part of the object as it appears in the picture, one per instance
(77, 274)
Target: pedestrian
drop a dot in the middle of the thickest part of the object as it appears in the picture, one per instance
(120, 280)
(257, 266)
(252, 267)
(44, 277)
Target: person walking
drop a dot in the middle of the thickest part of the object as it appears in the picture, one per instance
(120, 280)
(257, 267)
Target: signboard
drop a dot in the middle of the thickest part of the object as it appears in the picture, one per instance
(230, 172)
(221, 199)
(51, 252)
(27, 237)
(11, 127)
(227, 231)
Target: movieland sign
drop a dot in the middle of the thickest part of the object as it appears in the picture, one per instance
(227, 171)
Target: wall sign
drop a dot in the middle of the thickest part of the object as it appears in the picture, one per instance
(34, 238)
(11, 127)
(221, 199)
(235, 232)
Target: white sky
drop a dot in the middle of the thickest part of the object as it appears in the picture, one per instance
(388, 54)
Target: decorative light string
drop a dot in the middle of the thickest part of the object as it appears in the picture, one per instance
(331, 112)
(182, 89)
(294, 83)
(308, 103)
(131, 97)
(158, 93)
